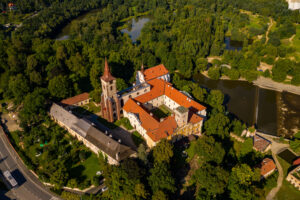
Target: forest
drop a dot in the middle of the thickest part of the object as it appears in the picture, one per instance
(36, 69)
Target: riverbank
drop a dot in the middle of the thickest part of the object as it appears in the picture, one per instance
(266, 83)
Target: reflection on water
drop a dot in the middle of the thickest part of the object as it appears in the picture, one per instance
(136, 27)
(65, 32)
(243, 99)
(232, 44)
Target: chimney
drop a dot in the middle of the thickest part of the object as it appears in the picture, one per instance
(151, 114)
(138, 103)
(161, 119)
(119, 140)
(117, 156)
(110, 135)
(106, 133)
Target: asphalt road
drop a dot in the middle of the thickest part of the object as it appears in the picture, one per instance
(30, 188)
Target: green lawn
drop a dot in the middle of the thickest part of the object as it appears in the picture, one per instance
(125, 122)
(162, 112)
(87, 168)
(91, 107)
(287, 190)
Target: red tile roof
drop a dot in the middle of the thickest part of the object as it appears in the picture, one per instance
(296, 162)
(267, 165)
(260, 143)
(160, 87)
(155, 72)
(76, 99)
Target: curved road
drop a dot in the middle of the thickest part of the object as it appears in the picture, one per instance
(30, 188)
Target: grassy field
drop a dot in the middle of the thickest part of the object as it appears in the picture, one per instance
(87, 168)
(91, 107)
(287, 190)
(162, 112)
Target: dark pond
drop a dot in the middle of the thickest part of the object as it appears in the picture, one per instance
(135, 27)
(232, 44)
(257, 106)
(288, 156)
(65, 32)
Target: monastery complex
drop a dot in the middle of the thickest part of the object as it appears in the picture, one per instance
(151, 90)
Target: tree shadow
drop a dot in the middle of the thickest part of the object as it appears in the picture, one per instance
(2, 159)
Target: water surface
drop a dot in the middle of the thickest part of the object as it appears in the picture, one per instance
(135, 28)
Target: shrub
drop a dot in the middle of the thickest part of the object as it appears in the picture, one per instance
(214, 73)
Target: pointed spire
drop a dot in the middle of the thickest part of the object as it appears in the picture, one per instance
(106, 73)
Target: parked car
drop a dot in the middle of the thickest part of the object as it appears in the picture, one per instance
(10, 179)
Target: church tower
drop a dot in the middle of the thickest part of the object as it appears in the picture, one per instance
(110, 104)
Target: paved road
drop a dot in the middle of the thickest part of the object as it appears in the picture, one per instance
(30, 188)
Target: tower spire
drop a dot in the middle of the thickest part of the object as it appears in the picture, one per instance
(106, 73)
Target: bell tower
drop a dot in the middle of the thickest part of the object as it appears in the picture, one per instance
(110, 104)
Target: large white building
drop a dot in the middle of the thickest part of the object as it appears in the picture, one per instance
(294, 4)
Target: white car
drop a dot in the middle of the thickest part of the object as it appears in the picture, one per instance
(104, 189)
(10, 179)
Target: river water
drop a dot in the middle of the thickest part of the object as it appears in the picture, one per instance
(272, 112)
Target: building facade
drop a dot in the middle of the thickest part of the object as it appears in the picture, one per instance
(151, 90)
(96, 140)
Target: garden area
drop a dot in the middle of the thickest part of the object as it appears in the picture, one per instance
(56, 156)
(162, 112)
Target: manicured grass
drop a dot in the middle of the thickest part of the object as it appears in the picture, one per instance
(91, 107)
(87, 168)
(137, 138)
(287, 190)
(162, 112)
(191, 151)
(125, 122)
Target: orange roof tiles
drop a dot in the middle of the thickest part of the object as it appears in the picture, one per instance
(160, 87)
(195, 118)
(155, 72)
(267, 165)
(148, 122)
(157, 130)
(76, 99)
(296, 162)
(165, 129)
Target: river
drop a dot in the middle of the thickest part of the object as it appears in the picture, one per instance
(272, 112)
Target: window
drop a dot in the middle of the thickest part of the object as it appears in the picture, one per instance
(111, 87)
(111, 82)
(137, 93)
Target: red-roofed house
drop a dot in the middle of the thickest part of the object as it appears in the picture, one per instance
(267, 167)
(78, 100)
